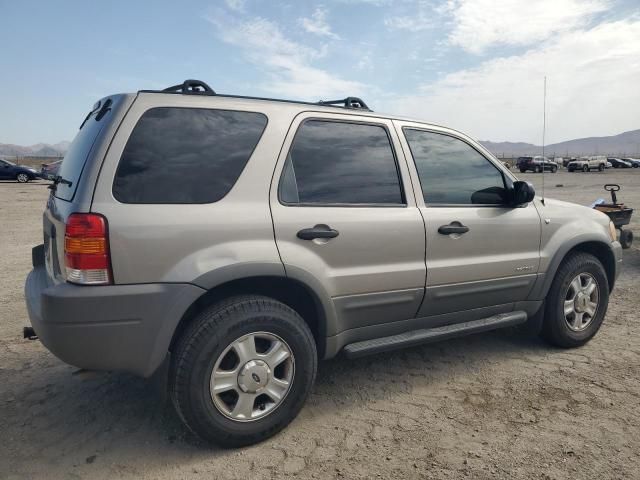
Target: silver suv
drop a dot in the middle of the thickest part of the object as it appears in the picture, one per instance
(226, 244)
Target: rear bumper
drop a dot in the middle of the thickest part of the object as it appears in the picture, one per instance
(115, 327)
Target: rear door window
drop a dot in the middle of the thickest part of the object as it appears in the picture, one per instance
(186, 155)
(332, 162)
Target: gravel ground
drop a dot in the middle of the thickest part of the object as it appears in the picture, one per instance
(496, 405)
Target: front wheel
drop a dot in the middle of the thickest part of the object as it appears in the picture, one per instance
(601, 167)
(585, 168)
(22, 178)
(242, 370)
(577, 301)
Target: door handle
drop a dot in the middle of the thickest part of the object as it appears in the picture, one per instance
(319, 231)
(453, 227)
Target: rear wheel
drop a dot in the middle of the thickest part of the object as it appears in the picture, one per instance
(242, 370)
(601, 167)
(577, 301)
(22, 178)
(585, 168)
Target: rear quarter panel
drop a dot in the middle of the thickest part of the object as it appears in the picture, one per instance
(183, 243)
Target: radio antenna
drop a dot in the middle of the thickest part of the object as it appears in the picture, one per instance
(544, 131)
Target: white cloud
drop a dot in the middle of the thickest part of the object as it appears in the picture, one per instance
(480, 24)
(237, 5)
(288, 64)
(424, 15)
(317, 24)
(592, 89)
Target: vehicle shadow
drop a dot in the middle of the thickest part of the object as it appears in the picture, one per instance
(60, 415)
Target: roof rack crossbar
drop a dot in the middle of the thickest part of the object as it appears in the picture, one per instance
(196, 87)
(349, 102)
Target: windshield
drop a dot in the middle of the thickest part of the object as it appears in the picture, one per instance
(76, 157)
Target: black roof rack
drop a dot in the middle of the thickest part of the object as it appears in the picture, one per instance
(349, 102)
(198, 87)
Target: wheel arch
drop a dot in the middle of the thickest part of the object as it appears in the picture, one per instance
(312, 305)
(596, 247)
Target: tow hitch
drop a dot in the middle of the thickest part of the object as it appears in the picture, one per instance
(30, 333)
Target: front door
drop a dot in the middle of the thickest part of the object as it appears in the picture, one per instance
(482, 254)
(343, 216)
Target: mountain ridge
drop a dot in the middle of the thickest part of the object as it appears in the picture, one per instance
(623, 144)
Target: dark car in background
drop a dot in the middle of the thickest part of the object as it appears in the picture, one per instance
(50, 170)
(619, 162)
(635, 163)
(11, 171)
(536, 164)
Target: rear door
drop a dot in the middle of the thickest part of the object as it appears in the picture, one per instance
(482, 254)
(345, 215)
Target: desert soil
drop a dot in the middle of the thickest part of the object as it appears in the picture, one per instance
(496, 405)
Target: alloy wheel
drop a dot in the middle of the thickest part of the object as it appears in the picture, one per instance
(252, 376)
(581, 302)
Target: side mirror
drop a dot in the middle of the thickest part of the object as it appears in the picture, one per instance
(522, 193)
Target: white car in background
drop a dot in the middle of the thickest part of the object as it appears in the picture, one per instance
(586, 164)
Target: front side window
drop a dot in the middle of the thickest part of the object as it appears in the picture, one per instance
(186, 155)
(333, 162)
(452, 172)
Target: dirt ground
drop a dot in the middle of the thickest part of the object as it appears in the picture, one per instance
(496, 405)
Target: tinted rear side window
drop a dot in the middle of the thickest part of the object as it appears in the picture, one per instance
(186, 155)
(341, 163)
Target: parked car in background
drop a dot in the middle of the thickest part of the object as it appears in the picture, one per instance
(609, 164)
(536, 164)
(619, 163)
(11, 171)
(50, 170)
(635, 163)
(586, 164)
(567, 160)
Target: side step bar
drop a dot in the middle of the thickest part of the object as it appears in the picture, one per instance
(428, 335)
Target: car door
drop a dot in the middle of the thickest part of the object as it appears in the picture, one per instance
(345, 219)
(482, 254)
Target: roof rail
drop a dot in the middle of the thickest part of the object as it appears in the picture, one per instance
(349, 102)
(198, 87)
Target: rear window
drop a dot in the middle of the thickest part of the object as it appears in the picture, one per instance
(186, 155)
(76, 157)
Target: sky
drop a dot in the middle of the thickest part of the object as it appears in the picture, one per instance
(474, 65)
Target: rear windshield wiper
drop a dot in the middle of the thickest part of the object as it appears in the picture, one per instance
(58, 179)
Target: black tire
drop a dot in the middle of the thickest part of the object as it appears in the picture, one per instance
(554, 169)
(626, 238)
(555, 328)
(601, 167)
(570, 169)
(635, 165)
(204, 341)
(522, 170)
(585, 168)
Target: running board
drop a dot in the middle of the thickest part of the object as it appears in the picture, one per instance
(428, 335)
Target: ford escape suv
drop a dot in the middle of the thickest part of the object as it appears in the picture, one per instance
(227, 243)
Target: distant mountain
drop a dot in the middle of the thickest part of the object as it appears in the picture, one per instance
(37, 150)
(624, 144)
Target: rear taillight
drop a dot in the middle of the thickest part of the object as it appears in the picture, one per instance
(86, 249)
